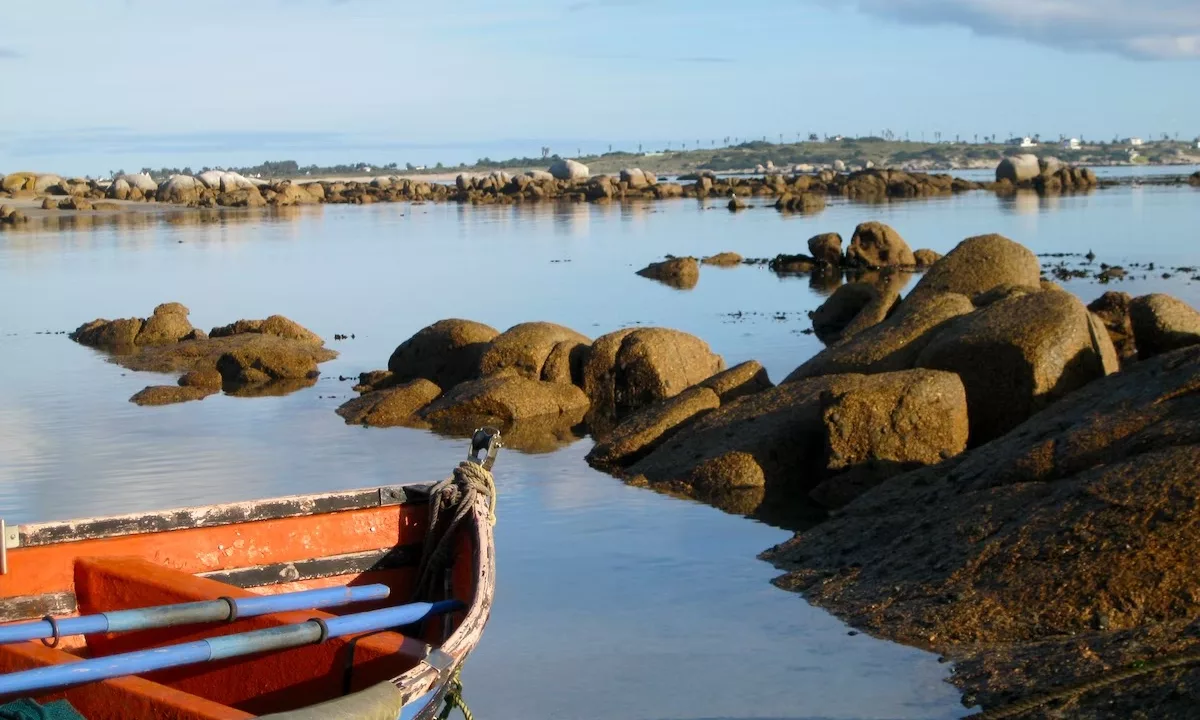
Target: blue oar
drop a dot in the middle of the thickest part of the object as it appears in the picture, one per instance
(218, 648)
(193, 612)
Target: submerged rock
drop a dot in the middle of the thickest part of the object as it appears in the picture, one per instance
(681, 273)
(393, 406)
(723, 259)
(169, 394)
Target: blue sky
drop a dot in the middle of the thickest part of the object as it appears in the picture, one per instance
(94, 85)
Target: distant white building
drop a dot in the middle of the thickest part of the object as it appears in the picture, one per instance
(1134, 141)
(1071, 144)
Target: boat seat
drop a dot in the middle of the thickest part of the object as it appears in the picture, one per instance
(233, 688)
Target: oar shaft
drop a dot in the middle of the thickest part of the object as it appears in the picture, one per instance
(217, 648)
(161, 616)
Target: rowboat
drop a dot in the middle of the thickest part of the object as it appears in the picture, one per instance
(359, 604)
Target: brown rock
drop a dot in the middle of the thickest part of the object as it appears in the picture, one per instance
(1162, 323)
(447, 352)
(599, 370)
(653, 364)
(723, 259)
(565, 362)
(394, 406)
(15, 182)
(75, 203)
(49, 204)
(744, 378)
(826, 248)
(852, 308)
(681, 273)
(1016, 357)
(208, 379)
(893, 344)
(168, 324)
(108, 334)
(276, 325)
(1112, 308)
(169, 394)
(880, 429)
(647, 428)
(875, 245)
(254, 363)
(979, 264)
(524, 348)
(894, 420)
(926, 257)
(504, 399)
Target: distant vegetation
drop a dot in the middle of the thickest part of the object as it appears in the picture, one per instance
(883, 152)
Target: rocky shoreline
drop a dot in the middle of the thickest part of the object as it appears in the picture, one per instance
(984, 467)
(567, 181)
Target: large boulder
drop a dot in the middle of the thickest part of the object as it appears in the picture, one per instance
(119, 189)
(180, 189)
(978, 264)
(875, 245)
(647, 428)
(681, 273)
(565, 362)
(826, 248)
(1162, 323)
(632, 368)
(1019, 355)
(794, 437)
(391, 406)
(852, 308)
(524, 348)
(141, 181)
(569, 170)
(211, 178)
(446, 352)
(926, 257)
(169, 323)
(1018, 169)
(18, 181)
(653, 364)
(288, 194)
(635, 178)
(43, 183)
(893, 344)
(505, 399)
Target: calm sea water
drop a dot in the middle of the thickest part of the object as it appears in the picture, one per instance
(613, 602)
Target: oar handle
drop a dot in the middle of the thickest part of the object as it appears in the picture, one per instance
(159, 616)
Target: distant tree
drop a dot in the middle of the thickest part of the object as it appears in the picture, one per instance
(409, 167)
(439, 166)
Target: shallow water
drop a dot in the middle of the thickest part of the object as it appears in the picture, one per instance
(613, 602)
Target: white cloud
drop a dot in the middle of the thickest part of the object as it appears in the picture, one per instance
(1144, 29)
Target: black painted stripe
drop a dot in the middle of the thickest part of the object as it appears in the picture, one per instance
(333, 566)
(217, 515)
(33, 607)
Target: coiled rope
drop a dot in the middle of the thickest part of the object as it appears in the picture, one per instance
(453, 498)
(1070, 691)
